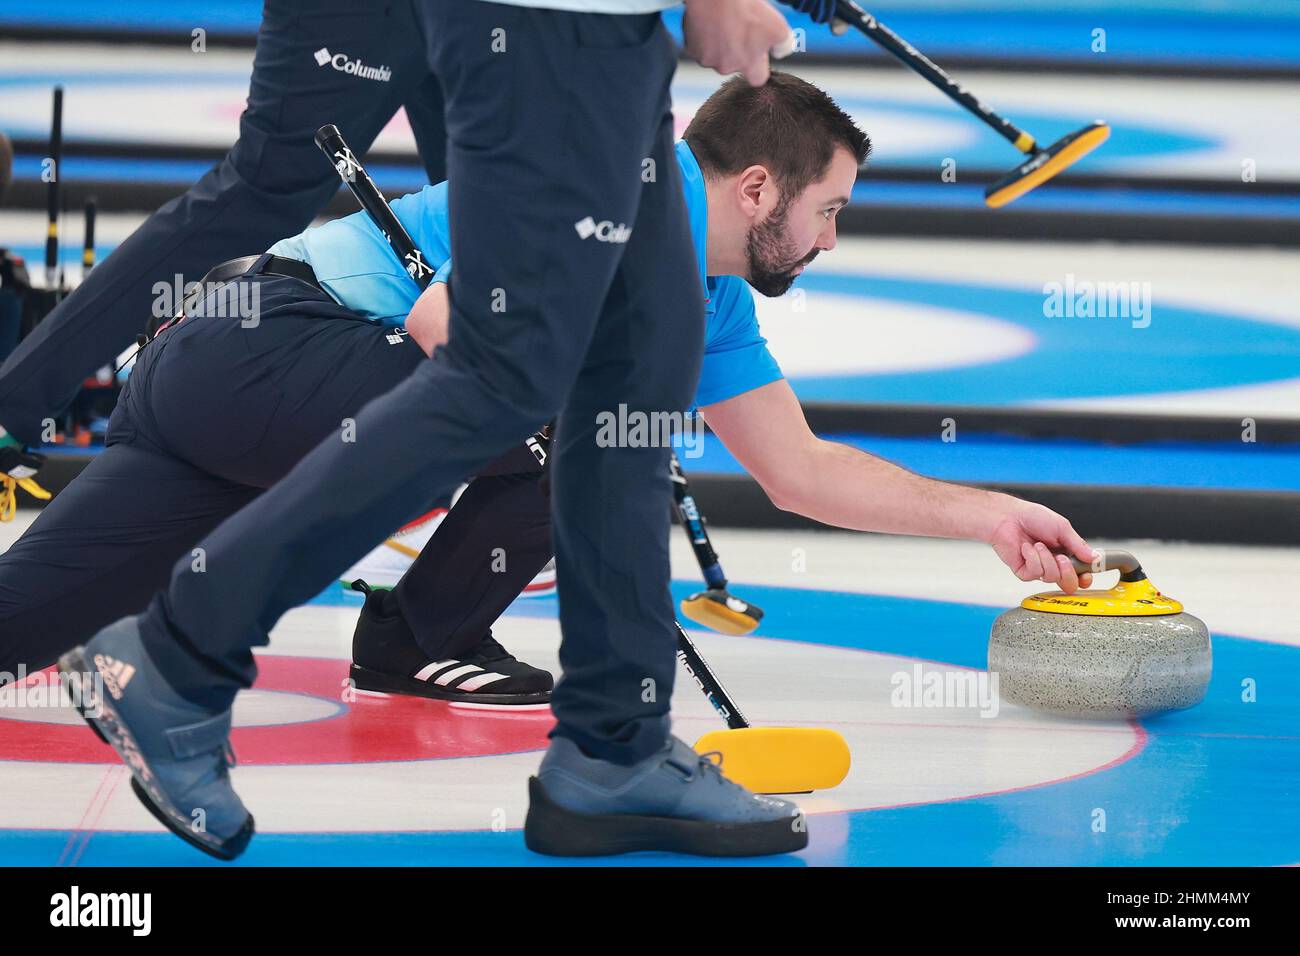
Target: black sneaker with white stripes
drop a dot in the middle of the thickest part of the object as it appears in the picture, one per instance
(386, 658)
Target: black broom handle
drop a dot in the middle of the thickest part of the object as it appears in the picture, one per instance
(850, 12)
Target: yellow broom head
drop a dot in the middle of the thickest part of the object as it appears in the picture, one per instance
(722, 611)
(1046, 163)
(780, 759)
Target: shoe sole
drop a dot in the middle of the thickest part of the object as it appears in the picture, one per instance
(555, 831)
(110, 728)
(366, 679)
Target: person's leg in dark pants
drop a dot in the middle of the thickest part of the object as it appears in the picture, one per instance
(487, 549)
(424, 111)
(213, 414)
(431, 636)
(269, 186)
(612, 503)
(546, 138)
(519, 325)
(102, 548)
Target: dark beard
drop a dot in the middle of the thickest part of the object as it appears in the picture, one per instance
(767, 249)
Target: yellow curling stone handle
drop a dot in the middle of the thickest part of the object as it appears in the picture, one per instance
(1132, 596)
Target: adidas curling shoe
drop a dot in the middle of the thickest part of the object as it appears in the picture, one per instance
(676, 800)
(386, 659)
(178, 752)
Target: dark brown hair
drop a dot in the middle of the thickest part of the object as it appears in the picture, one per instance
(787, 125)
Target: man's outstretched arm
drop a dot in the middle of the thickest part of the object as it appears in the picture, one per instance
(841, 486)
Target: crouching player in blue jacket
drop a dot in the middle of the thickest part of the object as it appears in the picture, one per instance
(225, 401)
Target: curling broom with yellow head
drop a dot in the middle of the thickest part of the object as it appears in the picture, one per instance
(716, 608)
(764, 759)
(1043, 162)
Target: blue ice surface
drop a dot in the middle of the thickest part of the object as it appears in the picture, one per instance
(1213, 786)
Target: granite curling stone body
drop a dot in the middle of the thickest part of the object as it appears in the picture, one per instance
(1127, 652)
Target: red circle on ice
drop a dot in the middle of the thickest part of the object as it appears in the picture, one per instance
(361, 729)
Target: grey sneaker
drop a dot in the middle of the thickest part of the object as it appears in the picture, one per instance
(178, 752)
(676, 800)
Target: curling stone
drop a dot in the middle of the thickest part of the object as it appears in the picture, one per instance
(1127, 652)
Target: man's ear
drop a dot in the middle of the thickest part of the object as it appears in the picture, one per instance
(751, 187)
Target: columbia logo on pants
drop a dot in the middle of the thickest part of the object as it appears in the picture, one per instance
(604, 231)
(341, 63)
